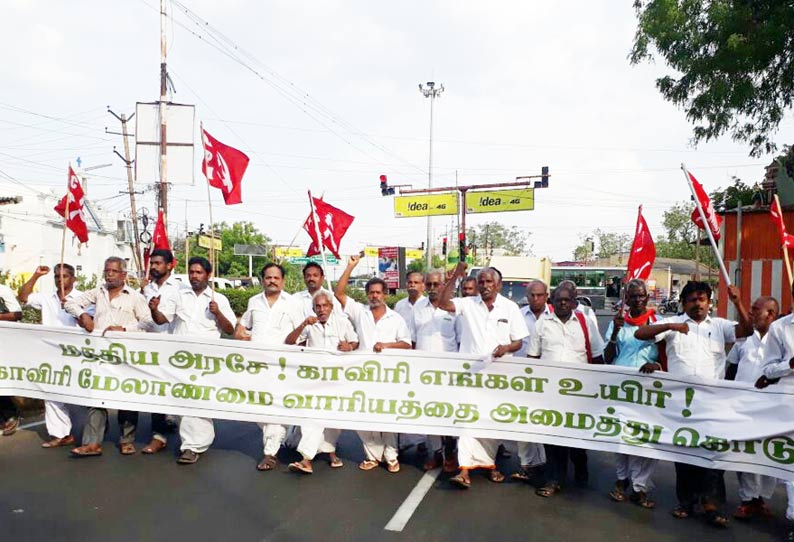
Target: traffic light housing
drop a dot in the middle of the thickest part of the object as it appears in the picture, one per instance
(462, 243)
(385, 189)
(544, 178)
(444, 246)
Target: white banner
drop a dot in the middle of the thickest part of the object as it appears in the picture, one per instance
(716, 424)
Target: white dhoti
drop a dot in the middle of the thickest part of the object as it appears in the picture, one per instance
(752, 486)
(272, 437)
(477, 453)
(531, 454)
(317, 440)
(637, 469)
(379, 446)
(56, 417)
(790, 496)
(197, 434)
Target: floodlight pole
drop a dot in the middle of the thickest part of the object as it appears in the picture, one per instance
(430, 91)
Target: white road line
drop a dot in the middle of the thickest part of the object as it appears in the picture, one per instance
(411, 503)
(29, 425)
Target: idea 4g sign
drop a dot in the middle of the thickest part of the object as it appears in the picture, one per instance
(426, 205)
(494, 201)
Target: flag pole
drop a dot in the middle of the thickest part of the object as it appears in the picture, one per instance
(212, 227)
(707, 227)
(65, 220)
(784, 247)
(316, 220)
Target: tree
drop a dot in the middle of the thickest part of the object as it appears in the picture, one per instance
(608, 243)
(733, 62)
(493, 235)
(227, 264)
(681, 235)
(735, 195)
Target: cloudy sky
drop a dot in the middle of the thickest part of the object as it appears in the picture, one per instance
(323, 96)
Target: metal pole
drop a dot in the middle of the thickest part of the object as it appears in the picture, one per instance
(131, 188)
(430, 91)
(163, 192)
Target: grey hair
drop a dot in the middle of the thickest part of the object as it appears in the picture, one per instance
(116, 259)
(538, 281)
(637, 283)
(322, 292)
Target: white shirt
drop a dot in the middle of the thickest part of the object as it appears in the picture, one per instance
(587, 311)
(9, 298)
(52, 313)
(390, 328)
(406, 309)
(170, 287)
(306, 301)
(481, 330)
(749, 354)
(189, 314)
(270, 324)
(337, 328)
(555, 340)
(433, 329)
(701, 352)
(531, 320)
(779, 347)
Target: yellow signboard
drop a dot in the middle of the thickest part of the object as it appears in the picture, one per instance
(372, 252)
(426, 205)
(288, 252)
(497, 201)
(414, 254)
(205, 241)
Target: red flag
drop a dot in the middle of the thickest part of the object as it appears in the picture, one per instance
(74, 221)
(332, 224)
(643, 251)
(224, 168)
(713, 219)
(786, 239)
(159, 238)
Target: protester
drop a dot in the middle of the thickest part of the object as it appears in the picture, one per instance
(578, 305)
(195, 312)
(162, 285)
(406, 307)
(491, 327)
(565, 336)
(10, 311)
(695, 346)
(378, 328)
(56, 414)
(745, 364)
(468, 287)
(433, 330)
(313, 278)
(117, 307)
(269, 318)
(623, 350)
(332, 331)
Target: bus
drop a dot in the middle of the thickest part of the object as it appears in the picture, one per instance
(600, 284)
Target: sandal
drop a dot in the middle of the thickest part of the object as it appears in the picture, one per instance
(681, 512)
(127, 448)
(153, 447)
(618, 493)
(58, 442)
(549, 490)
(521, 475)
(460, 481)
(640, 498)
(335, 462)
(393, 466)
(298, 466)
(368, 464)
(745, 511)
(188, 457)
(268, 463)
(89, 450)
(715, 518)
(496, 477)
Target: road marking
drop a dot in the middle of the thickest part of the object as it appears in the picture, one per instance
(411, 503)
(34, 424)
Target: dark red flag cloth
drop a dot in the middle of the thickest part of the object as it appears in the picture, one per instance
(224, 168)
(74, 221)
(332, 223)
(786, 239)
(713, 219)
(643, 251)
(159, 238)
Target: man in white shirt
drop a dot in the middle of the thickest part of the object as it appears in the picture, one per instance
(577, 306)
(195, 312)
(332, 331)
(565, 336)
(313, 278)
(117, 307)
(746, 364)
(433, 330)
(162, 285)
(270, 317)
(407, 306)
(378, 328)
(491, 327)
(695, 346)
(10, 311)
(56, 414)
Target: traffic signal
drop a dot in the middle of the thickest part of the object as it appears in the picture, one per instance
(544, 176)
(462, 243)
(201, 229)
(385, 190)
(444, 246)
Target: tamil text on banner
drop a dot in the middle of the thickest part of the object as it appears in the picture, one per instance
(495, 201)
(713, 423)
(413, 205)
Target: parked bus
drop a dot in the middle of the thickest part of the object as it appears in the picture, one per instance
(601, 285)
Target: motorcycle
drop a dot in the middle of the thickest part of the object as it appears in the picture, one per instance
(668, 305)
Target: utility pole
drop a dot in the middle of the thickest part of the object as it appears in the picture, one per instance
(136, 248)
(430, 91)
(162, 200)
(187, 243)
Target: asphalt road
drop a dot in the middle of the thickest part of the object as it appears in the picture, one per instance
(47, 495)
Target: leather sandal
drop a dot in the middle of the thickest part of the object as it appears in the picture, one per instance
(127, 448)
(156, 445)
(268, 462)
(188, 457)
(56, 442)
(89, 450)
(393, 466)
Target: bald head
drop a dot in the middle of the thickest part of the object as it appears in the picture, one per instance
(537, 296)
(763, 312)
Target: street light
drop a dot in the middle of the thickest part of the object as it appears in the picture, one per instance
(432, 92)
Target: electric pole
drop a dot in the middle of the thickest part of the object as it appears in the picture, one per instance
(162, 200)
(430, 91)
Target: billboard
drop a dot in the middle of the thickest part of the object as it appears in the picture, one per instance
(498, 201)
(205, 241)
(391, 264)
(179, 143)
(426, 205)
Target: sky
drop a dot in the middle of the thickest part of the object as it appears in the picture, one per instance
(323, 96)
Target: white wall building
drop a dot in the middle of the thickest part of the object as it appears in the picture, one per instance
(31, 231)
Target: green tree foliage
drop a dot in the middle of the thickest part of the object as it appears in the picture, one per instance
(601, 244)
(227, 264)
(733, 62)
(680, 236)
(736, 195)
(493, 235)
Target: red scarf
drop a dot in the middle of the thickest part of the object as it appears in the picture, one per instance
(648, 317)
